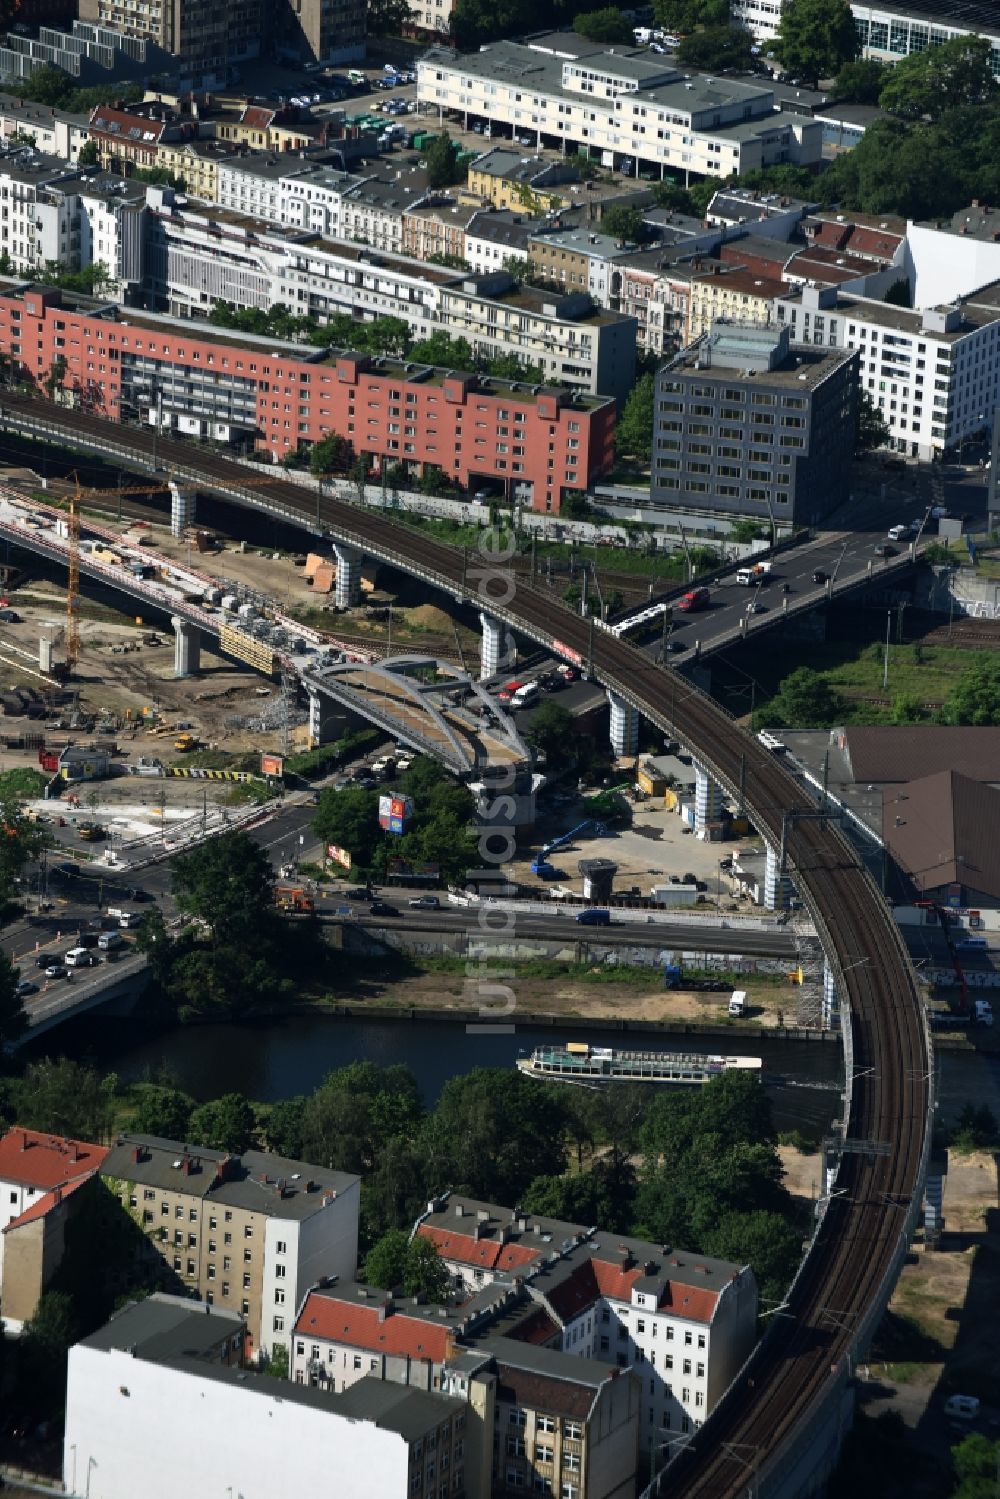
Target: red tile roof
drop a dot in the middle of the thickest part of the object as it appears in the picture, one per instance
(256, 117)
(537, 1328)
(483, 1254)
(338, 1320)
(874, 242)
(44, 1205)
(44, 1161)
(831, 235)
(602, 1278)
(119, 122)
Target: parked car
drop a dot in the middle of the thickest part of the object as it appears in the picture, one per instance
(358, 893)
(425, 903)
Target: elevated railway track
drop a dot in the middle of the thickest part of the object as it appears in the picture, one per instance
(771, 1433)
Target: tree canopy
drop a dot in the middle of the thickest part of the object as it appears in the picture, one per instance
(439, 831)
(634, 434)
(493, 1131)
(685, 16)
(624, 223)
(226, 882)
(805, 700)
(716, 48)
(441, 155)
(605, 25)
(871, 429)
(924, 85)
(975, 697)
(226, 1123)
(13, 1020)
(860, 81)
(816, 37)
(397, 1262)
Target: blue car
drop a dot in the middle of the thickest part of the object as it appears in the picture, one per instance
(594, 916)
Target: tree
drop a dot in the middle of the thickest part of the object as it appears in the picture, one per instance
(493, 1131)
(924, 85)
(441, 157)
(89, 155)
(804, 700)
(228, 883)
(898, 294)
(283, 1127)
(441, 349)
(53, 380)
(332, 454)
(553, 730)
(975, 697)
(635, 427)
(356, 1108)
(816, 37)
(596, 1197)
(388, 17)
(154, 940)
(871, 428)
(277, 1363)
(975, 1460)
(607, 25)
(45, 1344)
(685, 16)
(397, 1262)
(348, 817)
(623, 223)
(61, 1097)
(717, 48)
(763, 1240)
(160, 1110)
(860, 81)
(226, 1123)
(13, 1019)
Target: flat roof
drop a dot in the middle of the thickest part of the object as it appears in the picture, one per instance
(747, 203)
(40, 114)
(806, 366)
(256, 1182)
(978, 309)
(163, 1327)
(746, 282)
(974, 15)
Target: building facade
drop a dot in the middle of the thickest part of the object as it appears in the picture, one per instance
(889, 32)
(622, 107)
(255, 393)
(163, 1377)
(248, 1233)
(207, 38)
(748, 425)
(730, 295)
(40, 1176)
(934, 373)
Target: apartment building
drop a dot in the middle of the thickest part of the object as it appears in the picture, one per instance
(195, 260)
(265, 127)
(329, 31)
(494, 237)
(206, 38)
(623, 106)
(552, 1422)
(481, 1242)
(748, 424)
(435, 232)
(196, 163)
(950, 258)
(260, 393)
(54, 132)
(888, 32)
(655, 289)
(298, 192)
(248, 1233)
(771, 215)
(159, 1391)
(510, 179)
(730, 294)
(933, 373)
(762, 18)
(879, 237)
(40, 1177)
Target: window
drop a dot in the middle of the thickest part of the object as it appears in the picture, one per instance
(572, 1430)
(279, 1297)
(545, 1423)
(278, 1324)
(279, 1271)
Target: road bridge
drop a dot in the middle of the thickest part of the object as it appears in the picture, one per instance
(778, 1427)
(119, 983)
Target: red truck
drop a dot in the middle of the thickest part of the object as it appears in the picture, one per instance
(697, 598)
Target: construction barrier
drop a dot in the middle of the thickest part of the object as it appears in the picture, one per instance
(194, 773)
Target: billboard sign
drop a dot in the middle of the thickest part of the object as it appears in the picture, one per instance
(339, 855)
(272, 765)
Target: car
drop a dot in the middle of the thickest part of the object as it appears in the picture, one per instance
(137, 896)
(10, 616)
(885, 551)
(897, 533)
(594, 916)
(382, 908)
(67, 869)
(677, 646)
(55, 971)
(43, 959)
(819, 576)
(26, 987)
(425, 903)
(358, 893)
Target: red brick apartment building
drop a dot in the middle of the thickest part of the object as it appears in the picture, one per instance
(259, 394)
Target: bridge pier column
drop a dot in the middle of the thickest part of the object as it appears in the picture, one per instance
(829, 995)
(349, 560)
(707, 799)
(777, 887)
(322, 718)
(183, 504)
(187, 647)
(624, 726)
(492, 646)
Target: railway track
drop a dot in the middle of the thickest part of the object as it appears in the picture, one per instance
(844, 1282)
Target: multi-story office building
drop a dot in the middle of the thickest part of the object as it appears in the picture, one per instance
(749, 425)
(330, 31)
(624, 107)
(890, 31)
(934, 374)
(40, 1178)
(207, 38)
(247, 1233)
(159, 1392)
(195, 260)
(259, 393)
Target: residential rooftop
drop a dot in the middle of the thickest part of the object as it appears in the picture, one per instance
(35, 1159)
(40, 114)
(734, 349)
(745, 205)
(981, 220)
(975, 311)
(164, 1327)
(255, 1181)
(488, 1236)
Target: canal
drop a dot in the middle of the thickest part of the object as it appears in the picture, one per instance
(275, 1059)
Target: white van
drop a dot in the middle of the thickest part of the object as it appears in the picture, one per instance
(738, 1002)
(129, 919)
(526, 696)
(109, 941)
(961, 1407)
(898, 533)
(79, 957)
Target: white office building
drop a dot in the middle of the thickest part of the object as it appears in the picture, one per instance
(934, 374)
(949, 258)
(623, 107)
(890, 31)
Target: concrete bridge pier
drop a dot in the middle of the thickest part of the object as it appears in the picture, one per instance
(187, 647)
(777, 886)
(492, 647)
(349, 561)
(830, 1002)
(183, 505)
(707, 799)
(624, 726)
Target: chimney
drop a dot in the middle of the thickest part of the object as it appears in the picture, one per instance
(625, 1256)
(138, 1154)
(74, 1151)
(186, 1165)
(24, 1139)
(975, 202)
(458, 1210)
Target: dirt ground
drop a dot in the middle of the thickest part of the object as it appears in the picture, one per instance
(571, 995)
